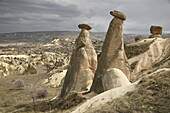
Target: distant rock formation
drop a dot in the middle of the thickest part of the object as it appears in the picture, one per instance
(156, 32)
(157, 50)
(114, 78)
(113, 55)
(82, 66)
(31, 69)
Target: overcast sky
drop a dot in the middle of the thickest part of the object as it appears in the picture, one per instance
(59, 15)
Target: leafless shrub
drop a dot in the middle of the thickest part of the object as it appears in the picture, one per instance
(18, 83)
(41, 93)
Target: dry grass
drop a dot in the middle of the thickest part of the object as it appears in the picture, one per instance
(10, 97)
(137, 48)
(150, 96)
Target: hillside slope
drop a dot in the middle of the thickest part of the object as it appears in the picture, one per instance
(152, 91)
(151, 95)
(148, 54)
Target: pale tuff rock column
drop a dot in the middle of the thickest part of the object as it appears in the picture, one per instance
(156, 32)
(113, 55)
(82, 66)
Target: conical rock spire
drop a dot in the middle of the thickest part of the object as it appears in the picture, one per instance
(82, 66)
(113, 54)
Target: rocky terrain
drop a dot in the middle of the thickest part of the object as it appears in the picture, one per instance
(85, 72)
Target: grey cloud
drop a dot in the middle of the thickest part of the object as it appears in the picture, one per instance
(29, 15)
(33, 15)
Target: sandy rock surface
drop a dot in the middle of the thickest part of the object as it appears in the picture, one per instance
(155, 52)
(82, 65)
(112, 55)
(114, 78)
(104, 97)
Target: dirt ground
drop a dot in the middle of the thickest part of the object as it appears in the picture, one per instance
(12, 96)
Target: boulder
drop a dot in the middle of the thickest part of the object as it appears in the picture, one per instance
(21, 69)
(84, 26)
(156, 30)
(114, 78)
(56, 79)
(82, 65)
(113, 54)
(118, 14)
(31, 69)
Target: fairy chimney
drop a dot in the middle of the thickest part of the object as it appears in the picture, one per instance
(82, 65)
(113, 54)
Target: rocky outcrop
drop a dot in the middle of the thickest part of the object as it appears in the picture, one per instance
(55, 79)
(103, 98)
(113, 55)
(149, 89)
(82, 65)
(157, 51)
(156, 32)
(114, 78)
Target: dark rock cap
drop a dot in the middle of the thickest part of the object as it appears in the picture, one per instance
(118, 14)
(84, 26)
(156, 30)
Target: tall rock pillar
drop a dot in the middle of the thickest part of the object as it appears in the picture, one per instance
(113, 54)
(82, 66)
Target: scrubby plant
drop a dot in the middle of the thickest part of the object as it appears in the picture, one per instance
(41, 93)
(18, 83)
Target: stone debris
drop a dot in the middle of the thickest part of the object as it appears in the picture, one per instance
(156, 32)
(82, 65)
(113, 54)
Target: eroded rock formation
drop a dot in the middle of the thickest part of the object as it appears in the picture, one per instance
(156, 32)
(157, 50)
(113, 55)
(114, 78)
(82, 66)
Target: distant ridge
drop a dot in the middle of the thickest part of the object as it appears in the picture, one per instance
(43, 36)
(46, 36)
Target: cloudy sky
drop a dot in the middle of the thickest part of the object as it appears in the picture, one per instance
(59, 15)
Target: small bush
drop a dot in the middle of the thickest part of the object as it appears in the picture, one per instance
(18, 83)
(41, 93)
